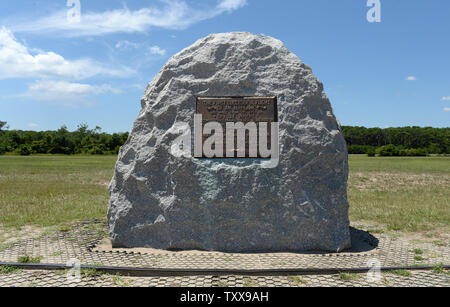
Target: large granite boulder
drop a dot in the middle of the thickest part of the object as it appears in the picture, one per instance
(162, 201)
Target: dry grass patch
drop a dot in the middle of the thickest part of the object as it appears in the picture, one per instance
(52, 190)
(393, 182)
(403, 194)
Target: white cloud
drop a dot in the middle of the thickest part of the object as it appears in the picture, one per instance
(176, 14)
(231, 5)
(411, 78)
(64, 87)
(126, 45)
(18, 61)
(447, 109)
(150, 50)
(157, 50)
(66, 93)
(33, 125)
(446, 98)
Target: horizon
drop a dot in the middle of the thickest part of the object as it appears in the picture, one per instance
(55, 72)
(6, 128)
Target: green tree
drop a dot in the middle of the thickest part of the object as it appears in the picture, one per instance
(25, 150)
(3, 144)
(389, 150)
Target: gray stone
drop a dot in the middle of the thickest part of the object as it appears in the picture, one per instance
(233, 205)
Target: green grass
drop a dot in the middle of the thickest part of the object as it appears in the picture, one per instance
(52, 190)
(403, 194)
(403, 273)
(29, 259)
(400, 194)
(413, 211)
(91, 273)
(418, 165)
(348, 276)
(64, 228)
(8, 269)
(297, 280)
(439, 269)
(418, 251)
(419, 258)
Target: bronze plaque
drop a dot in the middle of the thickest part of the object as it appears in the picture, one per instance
(238, 110)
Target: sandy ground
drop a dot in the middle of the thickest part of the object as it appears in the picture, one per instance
(105, 245)
(395, 181)
(11, 235)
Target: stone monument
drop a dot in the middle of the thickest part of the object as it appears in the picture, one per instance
(168, 195)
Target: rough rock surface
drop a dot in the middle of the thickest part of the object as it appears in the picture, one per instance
(164, 202)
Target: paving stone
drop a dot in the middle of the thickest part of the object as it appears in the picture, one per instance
(81, 241)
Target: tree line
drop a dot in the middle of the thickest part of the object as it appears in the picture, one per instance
(405, 141)
(81, 141)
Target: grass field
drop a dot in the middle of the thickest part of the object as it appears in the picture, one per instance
(406, 194)
(402, 194)
(52, 190)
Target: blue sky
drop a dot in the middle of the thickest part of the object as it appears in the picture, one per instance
(382, 74)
